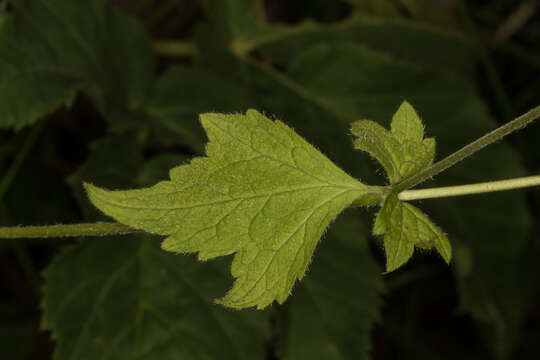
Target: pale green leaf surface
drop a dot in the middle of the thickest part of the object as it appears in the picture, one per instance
(332, 311)
(263, 193)
(125, 298)
(406, 125)
(403, 151)
(404, 226)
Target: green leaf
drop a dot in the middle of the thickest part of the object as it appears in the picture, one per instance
(404, 227)
(402, 152)
(125, 298)
(263, 193)
(29, 88)
(333, 309)
(51, 49)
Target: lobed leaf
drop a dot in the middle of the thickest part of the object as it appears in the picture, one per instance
(404, 226)
(263, 193)
(403, 151)
(375, 140)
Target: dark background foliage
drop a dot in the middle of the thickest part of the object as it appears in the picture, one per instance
(109, 92)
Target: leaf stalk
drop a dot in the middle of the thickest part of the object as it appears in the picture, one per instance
(469, 189)
(466, 151)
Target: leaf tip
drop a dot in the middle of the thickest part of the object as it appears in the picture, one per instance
(90, 188)
(406, 104)
(446, 255)
(253, 112)
(392, 266)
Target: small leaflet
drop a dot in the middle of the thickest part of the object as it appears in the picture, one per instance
(404, 226)
(402, 152)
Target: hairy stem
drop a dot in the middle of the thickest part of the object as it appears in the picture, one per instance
(478, 188)
(470, 149)
(96, 229)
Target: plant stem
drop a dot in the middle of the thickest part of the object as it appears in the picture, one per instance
(176, 48)
(478, 188)
(466, 151)
(95, 229)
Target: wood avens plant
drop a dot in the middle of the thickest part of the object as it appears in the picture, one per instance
(266, 195)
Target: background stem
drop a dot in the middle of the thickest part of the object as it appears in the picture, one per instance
(176, 48)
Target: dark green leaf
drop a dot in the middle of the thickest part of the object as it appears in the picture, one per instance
(50, 49)
(103, 167)
(182, 93)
